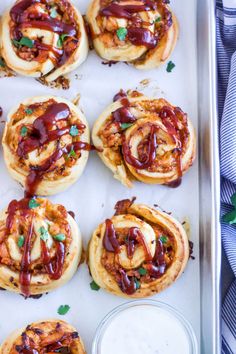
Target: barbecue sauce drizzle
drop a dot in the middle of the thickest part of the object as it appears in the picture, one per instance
(41, 134)
(28, 344)
(44, 21)
(155, 266)
(53, 267)
(137, 35)
(169, 117)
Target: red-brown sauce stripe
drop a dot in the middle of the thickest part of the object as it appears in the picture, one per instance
(155, 266)
(169, 119)
(41, 134)
(136, 236)
(25, 275)
(28, 345)
(138, 36)
(53, 267)
(150, 154)
(110, 242)
(126, 11)
(23, 20)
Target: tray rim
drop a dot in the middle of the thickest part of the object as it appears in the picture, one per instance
(210, 285)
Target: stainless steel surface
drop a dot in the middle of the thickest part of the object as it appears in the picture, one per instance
(210, 241)
(85, 313)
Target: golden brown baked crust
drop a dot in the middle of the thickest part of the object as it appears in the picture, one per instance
(45, 144)
(47, 336)
(146, 139)
(138, 252)
(143, 32)
(39, 39)
(40, 246)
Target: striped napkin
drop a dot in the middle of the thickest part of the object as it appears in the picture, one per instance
(226, 51)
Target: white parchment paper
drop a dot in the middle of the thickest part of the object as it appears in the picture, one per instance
(93, 197)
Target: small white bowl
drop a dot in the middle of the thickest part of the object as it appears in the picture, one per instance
(183, 325)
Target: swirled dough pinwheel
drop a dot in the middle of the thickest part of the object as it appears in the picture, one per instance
(138, 252)
(40, 246)
(146, 139)
(49, 336)
(140, 32)
(46, 144)
(43, 38)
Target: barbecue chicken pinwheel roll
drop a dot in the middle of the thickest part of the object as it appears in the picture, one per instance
(138, 252)
(46, 144)
(40, 246)
(43, 38)
(140, 32)
(49, 336)
(146, 139)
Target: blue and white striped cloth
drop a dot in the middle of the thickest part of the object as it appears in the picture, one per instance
(226, 50)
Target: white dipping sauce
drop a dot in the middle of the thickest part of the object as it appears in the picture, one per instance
(145, 329)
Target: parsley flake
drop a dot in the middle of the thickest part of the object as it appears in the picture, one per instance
(122, 33)
(63, 309)
(164, 239)
(71, 153)
(158, 19)
(60, 237)
(142, 271)
(2, 63)
(125, 126)
(170, 66)
(53, 12)
(43, 233)
(94, 286)
(61, 39)
(33, 204)
(21, 241)
(23, 131)
(74, 131)
(137, 283)
(23, 42)
(28, 111)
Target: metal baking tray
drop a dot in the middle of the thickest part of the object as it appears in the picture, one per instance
(192, 86)
(210, 240)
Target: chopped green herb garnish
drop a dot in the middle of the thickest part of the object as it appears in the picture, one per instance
(63, 309)
(122, 33)
(137, 283)
(2, 63)
(125, 126)
(21, 241)
(142, 271)
(23, 131)
(170, 66)
(33, 204)
(60, 237)
(61, 39)
(72, 153)
(158, 19)
(53, 12)
(230, 217)
(74, 131)
(94, 286)
(164, 239)
(23, 42)
(28, 111)
(43, 233)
